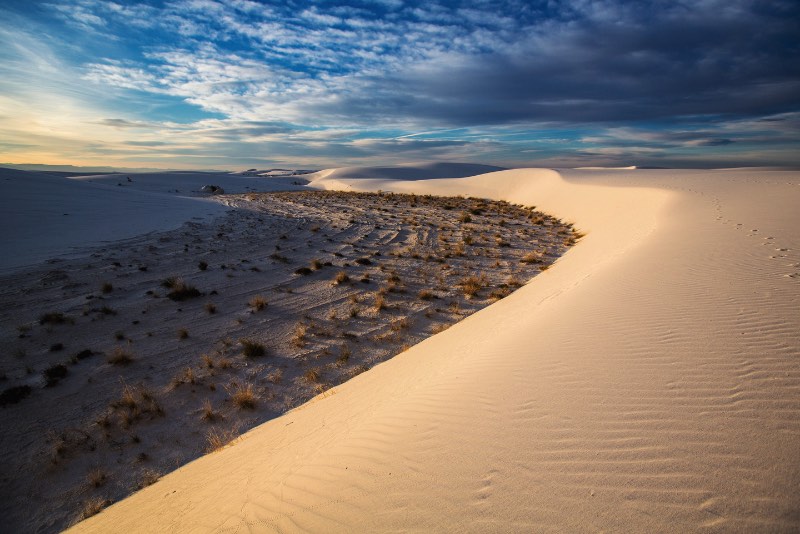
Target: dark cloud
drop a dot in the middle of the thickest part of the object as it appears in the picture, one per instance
(650, 61)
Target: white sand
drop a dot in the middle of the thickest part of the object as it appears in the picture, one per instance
(44, 215)
(649, 381)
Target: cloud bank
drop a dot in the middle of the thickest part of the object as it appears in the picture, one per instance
(512, 83)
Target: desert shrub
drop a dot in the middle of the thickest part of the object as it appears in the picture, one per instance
(470, 285)
(107, 287)
(258, 303)
(54, 374)
(305, 271)
(217, 439)
(312, 375)
(93, 506)
(53, 318)
(531, 257)
(244, 397)
(202, 266)
(96, 477)
(210, 307)
(299, 337)
(180, 290)
(120, 356)
(426, 294)
(14, 394)
(252, 349)
(364, 261)
(341, 277)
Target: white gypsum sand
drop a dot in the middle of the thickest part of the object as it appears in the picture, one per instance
(126, 383)
(649, 381)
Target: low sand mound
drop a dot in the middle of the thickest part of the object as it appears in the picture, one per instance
(44, 216)
(648, 382)
(407, 172)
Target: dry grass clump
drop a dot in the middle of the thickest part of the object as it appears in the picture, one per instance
(426, 294)
(464, 217)
(210, 307)
(180, 290)
(243, 396)
(316, 264)
(441, 327)
(106, 288)
(207, 412)
(531, 257)
(403, 323)
(96, 477)
(380, 302)
(217, 439)
(299, 337)
(470, 285)
(183, 333)
(312, 375)
(120, 356)
(258, 303)
(344, 355)
(93, 506)
(252, 348)
(53, 318)
(148, 478)
(341, 278)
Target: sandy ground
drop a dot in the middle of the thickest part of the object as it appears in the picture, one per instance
(109, 383)
(648, 382)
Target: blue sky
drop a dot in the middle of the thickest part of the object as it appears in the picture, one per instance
(232, 84)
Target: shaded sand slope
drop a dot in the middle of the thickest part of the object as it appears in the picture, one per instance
(649, 381)
(44, 215)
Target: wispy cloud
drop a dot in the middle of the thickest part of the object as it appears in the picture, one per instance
(509, 83)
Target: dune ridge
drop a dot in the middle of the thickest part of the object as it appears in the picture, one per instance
(647, 382)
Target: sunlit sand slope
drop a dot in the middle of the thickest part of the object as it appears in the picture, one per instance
(649, 381)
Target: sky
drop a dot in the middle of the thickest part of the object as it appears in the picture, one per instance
(234, 84)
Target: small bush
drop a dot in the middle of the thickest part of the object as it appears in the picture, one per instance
(96, 477)
(464, 217)
(531, 257)
(316, 265)
(210, 307)
(341, 278)
(202, 266)
(217, 439)
(312, 375)
(471, 285)
(93, 507)
(244, 397)
(364, 261)
(180, 290)
(54, 374)
(53, 318)
(299, 337)
(380, 302)
(258, 303)
(14, 394)
(107, 287)
(183, 333)
(426, 294)
(208, 413)
(252, 349)
(304, 271)
(120, 356)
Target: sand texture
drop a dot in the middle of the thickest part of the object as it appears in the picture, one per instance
(649, 381)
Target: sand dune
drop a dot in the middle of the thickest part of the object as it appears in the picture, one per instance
(46, 215)
(649, 381)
